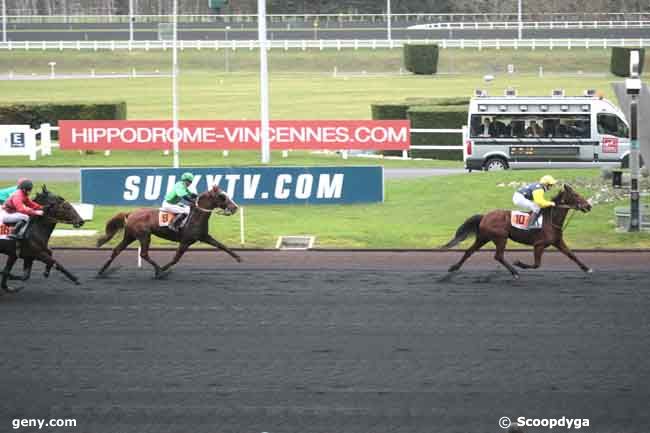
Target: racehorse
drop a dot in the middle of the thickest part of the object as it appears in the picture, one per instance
(142, 223)
(496, 226)
(55, 210)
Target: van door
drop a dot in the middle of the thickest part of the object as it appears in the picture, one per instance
(613, 137)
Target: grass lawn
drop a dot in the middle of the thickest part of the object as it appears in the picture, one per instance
(214, 159)
(417, 213)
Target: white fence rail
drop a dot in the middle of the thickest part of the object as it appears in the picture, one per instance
(464, 135)
(22, 17)
(323, 44)
(534, 25)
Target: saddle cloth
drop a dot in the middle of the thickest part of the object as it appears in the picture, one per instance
(5, 229)
(165, 218)
(520, 219)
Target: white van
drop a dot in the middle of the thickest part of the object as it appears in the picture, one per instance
(513, 131)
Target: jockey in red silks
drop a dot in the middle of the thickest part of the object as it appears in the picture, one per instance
(19, 208)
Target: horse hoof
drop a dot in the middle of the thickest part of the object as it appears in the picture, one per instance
(515, 276)
(589, 271)
(46, 275)
(239, 259)
(162, 274)
(77, 283)
(12, 289)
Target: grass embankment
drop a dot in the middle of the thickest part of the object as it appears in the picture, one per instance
(417, 213)
(206, 92)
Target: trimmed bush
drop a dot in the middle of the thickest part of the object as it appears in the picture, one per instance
(620, 61)
(437, 101)
(390, 111)
(421, 59)
(28, 113)
(437, 117)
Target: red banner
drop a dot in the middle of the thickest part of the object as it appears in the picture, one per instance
(234, 134)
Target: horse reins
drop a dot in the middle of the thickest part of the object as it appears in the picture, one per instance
(571, 213)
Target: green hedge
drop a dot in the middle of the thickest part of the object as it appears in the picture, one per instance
(419, 107)
(620, 61)
(437, 117)
(421, 59)
(35, 113)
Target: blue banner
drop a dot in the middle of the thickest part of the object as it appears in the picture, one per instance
(246, 185)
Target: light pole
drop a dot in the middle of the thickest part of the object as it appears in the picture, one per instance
(4, 20)
(388, 21)
(264, 81)
(131, 20)
(519, 19)
(633, 88)
(175, 131)
(227, 54)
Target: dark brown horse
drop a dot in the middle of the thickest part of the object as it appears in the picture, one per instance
(496, 227)
(142, 223)
(55, 210)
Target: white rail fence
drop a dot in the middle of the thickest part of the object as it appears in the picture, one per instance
(21, 17)
(464, 136)
(323, 44)
(534, 25)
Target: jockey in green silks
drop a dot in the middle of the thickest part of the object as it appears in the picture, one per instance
(179, 199)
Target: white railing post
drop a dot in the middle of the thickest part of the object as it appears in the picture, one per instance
(46, 139)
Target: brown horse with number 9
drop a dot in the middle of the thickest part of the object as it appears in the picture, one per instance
(497, 226)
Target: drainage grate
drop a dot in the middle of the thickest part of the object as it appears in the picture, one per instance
(295, 242)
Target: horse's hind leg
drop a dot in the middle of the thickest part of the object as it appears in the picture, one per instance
(125, 242)
(145, 240)
(48, 268)
(477, 245)
(539, 250)
(11, 260)
(499, 256)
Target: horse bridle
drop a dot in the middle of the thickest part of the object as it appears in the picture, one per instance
(217, 211)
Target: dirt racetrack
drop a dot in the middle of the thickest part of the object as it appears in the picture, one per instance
(366, 342)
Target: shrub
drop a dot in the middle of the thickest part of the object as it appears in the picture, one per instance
(620, 61)
(421, 59)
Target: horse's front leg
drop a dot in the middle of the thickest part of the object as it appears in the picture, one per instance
(564, 249)
(44, 257)
(182, 248)
(215, 243)
(539, 250)
(48, 268)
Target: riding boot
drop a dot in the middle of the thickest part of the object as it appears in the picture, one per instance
(532, 220)
(20, 230)
(176, 222)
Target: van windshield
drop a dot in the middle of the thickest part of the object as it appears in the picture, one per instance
(611, 124)
(530, 126)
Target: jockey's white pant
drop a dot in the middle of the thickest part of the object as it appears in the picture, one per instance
(175, 208)
(11, 218)
(521, 201)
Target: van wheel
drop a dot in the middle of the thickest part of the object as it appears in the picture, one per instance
(495, 164)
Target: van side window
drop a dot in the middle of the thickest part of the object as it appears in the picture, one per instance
(612, 125)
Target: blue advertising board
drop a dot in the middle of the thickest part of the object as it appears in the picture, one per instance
(246, 185)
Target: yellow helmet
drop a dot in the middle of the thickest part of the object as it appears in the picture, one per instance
(548, 180)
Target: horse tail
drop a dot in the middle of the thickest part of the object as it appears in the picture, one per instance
(467, 228)
(113, 225)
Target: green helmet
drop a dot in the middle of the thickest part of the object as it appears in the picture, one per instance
(189, 177)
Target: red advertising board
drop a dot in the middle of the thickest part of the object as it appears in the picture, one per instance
(234, 134)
